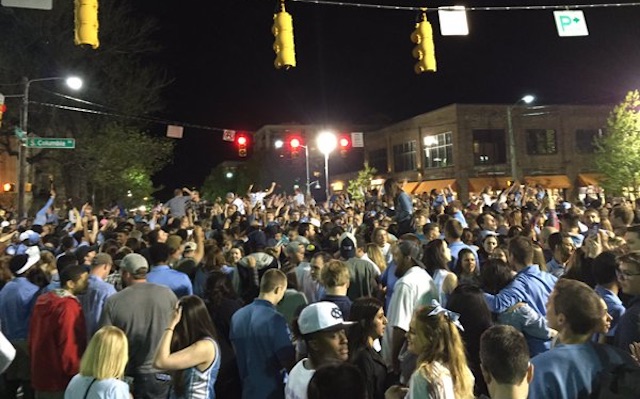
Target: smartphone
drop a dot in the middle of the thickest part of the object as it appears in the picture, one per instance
(593, 230)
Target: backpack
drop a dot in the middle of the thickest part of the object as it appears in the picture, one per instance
(620, 381)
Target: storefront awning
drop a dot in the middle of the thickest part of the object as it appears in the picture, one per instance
(428, 185)
(549, 181)
(410, 186)
(477, 184)
(589, 179)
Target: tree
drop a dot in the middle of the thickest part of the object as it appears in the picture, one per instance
(358, 187)
(618, 155)
(120, 78)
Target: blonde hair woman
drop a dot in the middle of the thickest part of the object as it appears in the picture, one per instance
(441, 370)
(102, 367)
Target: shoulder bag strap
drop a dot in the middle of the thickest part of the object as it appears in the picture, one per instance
(88, 389)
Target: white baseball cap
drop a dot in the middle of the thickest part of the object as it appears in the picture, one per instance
(321, 316)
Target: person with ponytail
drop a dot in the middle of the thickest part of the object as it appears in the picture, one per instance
(189, 348)
(370, 320)
(441, 371)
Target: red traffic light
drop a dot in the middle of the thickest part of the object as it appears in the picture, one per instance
(344, 142)
(294, 143)
(3, 108)
(242, 140)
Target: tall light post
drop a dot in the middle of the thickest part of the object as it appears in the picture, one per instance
(327, 142)
(74, 83)
(528, 99)
(295, 143)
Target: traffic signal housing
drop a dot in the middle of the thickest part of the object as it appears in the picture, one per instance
(86, 18)
(242, 142)
(344, 144)
(424, 51)
(283, 45)
(9, 187)
(3, 107)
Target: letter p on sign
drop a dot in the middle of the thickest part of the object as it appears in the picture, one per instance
(571, 23)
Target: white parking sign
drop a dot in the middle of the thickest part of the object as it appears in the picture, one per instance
(571, 23)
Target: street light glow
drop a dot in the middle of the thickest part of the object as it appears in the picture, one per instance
(229, 175)
(327, 142)
(528, 99)
(278, 144)
(74, 82)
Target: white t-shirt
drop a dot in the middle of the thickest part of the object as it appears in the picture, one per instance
(239, 204)
(256, 198)
(299, 198)
(415, 288)
(298, 381)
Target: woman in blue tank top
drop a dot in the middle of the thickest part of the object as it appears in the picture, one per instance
(188, 349)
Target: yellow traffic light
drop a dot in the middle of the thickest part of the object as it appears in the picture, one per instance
(283, 45)
(424, 51)
(86, 31)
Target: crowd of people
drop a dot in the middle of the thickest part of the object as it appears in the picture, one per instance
(511, 294)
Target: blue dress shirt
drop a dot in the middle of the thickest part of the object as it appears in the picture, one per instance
(177, 281)
(16, 304)
(93, 301)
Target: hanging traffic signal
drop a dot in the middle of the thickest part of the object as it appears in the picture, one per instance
(3, 107)
(424, 51)
(283, 45)
(242, 141)
(86, 30)
(294, 143)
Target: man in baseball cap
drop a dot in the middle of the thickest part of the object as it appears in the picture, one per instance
(322, 327)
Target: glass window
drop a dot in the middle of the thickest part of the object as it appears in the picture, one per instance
(404, 156)
(438, 150)
(378, 160)
(489, 147)
(541, 142)
(585, 140)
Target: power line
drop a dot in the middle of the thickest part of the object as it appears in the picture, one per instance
(458, 8)
(132, 117)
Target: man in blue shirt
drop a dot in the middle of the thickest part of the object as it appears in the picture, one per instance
(453, 234)
(571, 369)
(16, 304)
(262, 342)
(97, 293)
(530, 285)
(162, 274)
(604, 268)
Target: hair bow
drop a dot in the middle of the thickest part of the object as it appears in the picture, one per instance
(452, 316)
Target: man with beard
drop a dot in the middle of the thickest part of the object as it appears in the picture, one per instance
(58, 334)
(142, 310)
(414, 288)
(562, 247)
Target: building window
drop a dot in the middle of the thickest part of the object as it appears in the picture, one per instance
(378, 160)
(489, 147)
(404, 156)
(586, 140)
(541, 142)
(438, 150)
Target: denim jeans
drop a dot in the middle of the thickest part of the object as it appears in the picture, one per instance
(151, 386)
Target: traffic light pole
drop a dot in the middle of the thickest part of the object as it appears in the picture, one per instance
(22, 150)
(306, 158)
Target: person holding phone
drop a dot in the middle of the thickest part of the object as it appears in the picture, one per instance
(189, 349)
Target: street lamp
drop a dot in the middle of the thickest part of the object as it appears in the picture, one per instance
(74, 83)
(327, 142)
(528, 99)
(295, 143)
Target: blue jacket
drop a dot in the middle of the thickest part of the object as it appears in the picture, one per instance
(530, 285)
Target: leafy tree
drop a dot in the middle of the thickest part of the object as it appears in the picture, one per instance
(119, 79)
(618, 155)
(359, 186)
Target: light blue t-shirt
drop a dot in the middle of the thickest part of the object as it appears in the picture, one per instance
(111, 388)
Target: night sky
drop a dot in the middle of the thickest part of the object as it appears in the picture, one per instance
(355, 66)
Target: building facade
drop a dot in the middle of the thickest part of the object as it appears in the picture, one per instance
(467, 147)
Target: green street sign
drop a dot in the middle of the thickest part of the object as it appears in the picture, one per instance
(39, 142)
